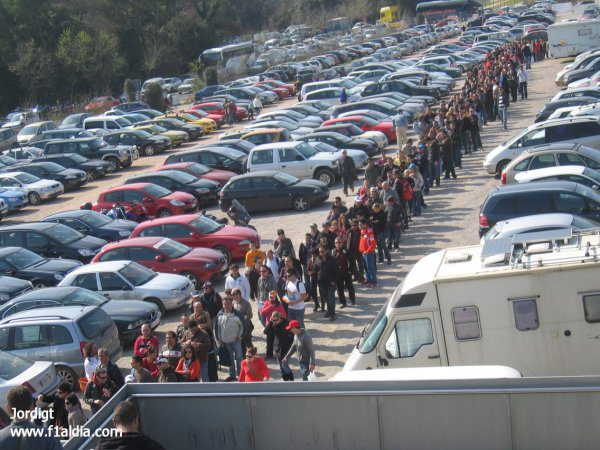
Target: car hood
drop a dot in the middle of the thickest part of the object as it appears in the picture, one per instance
(41, 184)
(11, 284)
(128, 308)
(220, 176)
(241, 233)
(166, 281)
(310, 183)
(95, 164)
(178, 195)
(53, 265)
(158, 139)
(324, 156)
(68, 172)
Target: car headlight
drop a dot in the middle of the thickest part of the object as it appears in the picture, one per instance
(4, 298)
(176, 203)
(244, 242)
(58, 277)
(209, 266)
(124, 233)
(123, 152)
(85, 252)
(136, 324)
(174, 292)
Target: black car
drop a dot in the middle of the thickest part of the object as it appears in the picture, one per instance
(117, 156)
(524, 199)
(70, 178)
(224, 159)
(41, 272)
(174, 180)
(194, 131)
(340, 141)
(12, 287)
(551, 107)
(147, 143)
(131, 106)
(270, 190)
(51, 240)
(94, 168)
(128, 315)
(92, 223)
(236, 144)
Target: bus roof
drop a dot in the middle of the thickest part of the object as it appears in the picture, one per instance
(436, 4)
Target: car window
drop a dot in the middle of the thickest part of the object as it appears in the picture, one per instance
(265, 183)
(533, 202)
(569, 159)
(110, 281)
(115, 255)
(142, 254)
(568, 203)
(176, 230)
(504, 206)
(86, 280)
(592, 164)
(30, 336)
(586, 129)
(36, 240)
(560, 133)
(152, 231)
(94, 324)
(541, 161)
(59, 335)
(207, 158)
(289, 154)
(12, 239)
(116, 196)
(4, 332)
(263, 157)
(522, 166)
(132, 196)
(535, 137)
(244, 183)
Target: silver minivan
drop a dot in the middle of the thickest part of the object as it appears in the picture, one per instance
(59, 334)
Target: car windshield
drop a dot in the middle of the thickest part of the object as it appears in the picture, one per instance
(324, 147)
(368, 121)
(231, 153)
(372, 332)
(593, 175)
(306, 150)
(341, 138)
(29, 129)
(22, 258)
(142, 133)
(204, 225)
(82, 296)
(12, 366)
(77, 158)
(53, 167)
(95, 219)
(71, 120)
(64, 234)
(156, 191)
(7, 160)
(182, 177)
(198, 169)
(137, 274)
(176, 122)
(99, 143)
(172, 249)
(286, 179)
(590, 194)
(26, 178)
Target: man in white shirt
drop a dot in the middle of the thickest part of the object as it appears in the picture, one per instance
(272, 262)
(295, 295)
(523, 77)
(236, 280)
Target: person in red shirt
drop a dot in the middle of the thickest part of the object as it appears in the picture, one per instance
(253, 367)
(366, 246)
(189, 366)
(140, 347)
(149, 362)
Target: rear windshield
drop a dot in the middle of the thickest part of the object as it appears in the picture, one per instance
(12, 366)
(94, 324)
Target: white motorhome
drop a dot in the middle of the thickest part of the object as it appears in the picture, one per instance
(531, 302)
(571, 38)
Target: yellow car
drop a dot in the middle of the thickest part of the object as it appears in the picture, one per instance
(177, 137)
(207, 125)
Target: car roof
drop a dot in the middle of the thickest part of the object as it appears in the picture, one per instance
(174, 166)
(71, 213)
(81, 139)
(563, 120)
(549, 171)
(143, 241)
(128, 186)
(45, 314)
(38, 226)
(181, 218)
(537, 220)
(536, 186)
(260, 131)
(260, 173)
(105, 266)
(289, 144)
(49, 292)
(160, 173)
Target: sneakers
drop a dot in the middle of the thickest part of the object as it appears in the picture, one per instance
(343, 306)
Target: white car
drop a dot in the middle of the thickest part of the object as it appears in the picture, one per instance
(171, 84)
(128, 280)
(37, 189)
(579, 174)
(331, 95)
(33, 132)
(359, 157)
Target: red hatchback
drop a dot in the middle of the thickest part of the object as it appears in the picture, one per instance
(200, 171)
(217, 108)
(195, 230)
(281, 92)
(367, 124)
(158, 201)
(167, 256)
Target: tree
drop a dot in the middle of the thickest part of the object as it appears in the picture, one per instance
(35, 68)
(155, 97)
(130, 90)
(75, 53)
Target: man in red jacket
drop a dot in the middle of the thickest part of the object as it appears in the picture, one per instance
(140, 347)
(366, 247)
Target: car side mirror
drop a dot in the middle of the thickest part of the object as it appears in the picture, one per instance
(299, 158)
(194, 235)
(159, 258)
(126, 288)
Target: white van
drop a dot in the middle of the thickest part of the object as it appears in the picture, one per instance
(106, 123)
(338, 82)
(330, 95)
(532, 303)
(572, 38)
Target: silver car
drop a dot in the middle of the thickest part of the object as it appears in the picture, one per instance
(128, 280)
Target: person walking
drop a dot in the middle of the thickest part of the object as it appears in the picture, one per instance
(523, 77)
(348, 172)
(228, 333)
(256, 105)
(303, 345)
(400, 122)
(295, 296)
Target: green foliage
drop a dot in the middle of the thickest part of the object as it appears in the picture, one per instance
(155, 97)
(130, 90)
(211, 76)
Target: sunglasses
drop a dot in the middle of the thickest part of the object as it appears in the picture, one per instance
(249, 356)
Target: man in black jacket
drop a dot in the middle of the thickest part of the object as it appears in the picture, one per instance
(348, 172)
(325, 269)
(283, 342)
(114, 373)
(355, 259)
(340, 255)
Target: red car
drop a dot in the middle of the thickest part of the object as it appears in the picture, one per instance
(196, 230)
(217, 108)
(280, 84)
(158, 201)
(281, 92)
(200, 171)
(102, 104)
(166, 255)
(219, 119)
(367, 124)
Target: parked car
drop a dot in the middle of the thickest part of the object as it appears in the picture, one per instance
(366, 123)
(39, 377)
(74, 120)
(218, 108)
(8, 138)
(200, 171)
(155, 200)
(172, 84)
(517, 200)
(11, 287)
(577, 174)
(207, 124)
(194, 131)
(131, 106)
(14, 199)
(552, 106)
(196, 230)
(205, 191)
(507, 229)
(21, 153)
(271, 190)
(340, 141)
(101, 104)
(48, 170)
(128, 315)
(92, 223)
(37, 189)
(65, 133)
(51, 240)
(352, 131)
(33, 132)
(145, 142)
(94, 168)
(177, 137)
(167, 256)
(188, 85)
(60, 334)
(583, 130)
(223, 159)
(128, 280)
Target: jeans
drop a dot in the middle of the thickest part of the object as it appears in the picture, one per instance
(263, 321)
(449, 168)
(435, 170)
(356, 265)
(382, 249)
(457, 156)
(523, 89)
(370, 270)
(235, 354)
(348, 181)
(286, 372)
(417, 196)
(476, 140)
(304, 365)
(296, 314)
(306, 278)
(503, 116)
(346, 281)
(528, 62)
(327, 291)
(270, 337)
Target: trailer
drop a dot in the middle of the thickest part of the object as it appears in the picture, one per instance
(572, 38)
(531, 302)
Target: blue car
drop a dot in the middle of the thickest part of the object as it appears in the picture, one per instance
(15, 198)
(208, 91)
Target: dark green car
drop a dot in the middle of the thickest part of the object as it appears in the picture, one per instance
(146, 143)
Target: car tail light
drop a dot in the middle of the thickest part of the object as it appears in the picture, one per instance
(82, 348)
(503, 178)
(483, 221)
(28, 386)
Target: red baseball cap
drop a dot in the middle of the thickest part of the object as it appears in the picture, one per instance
(293, 324)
